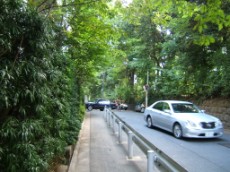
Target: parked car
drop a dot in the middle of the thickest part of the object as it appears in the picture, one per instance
(183, 119)
(123, 106)
(100, 104)
(140, 107)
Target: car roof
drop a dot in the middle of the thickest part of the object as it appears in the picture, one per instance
(101, 99)
(174, 101)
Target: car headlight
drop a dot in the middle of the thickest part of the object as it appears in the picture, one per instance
(218, 123)
(191, 124)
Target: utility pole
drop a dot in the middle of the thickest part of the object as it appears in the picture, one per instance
(147, 89)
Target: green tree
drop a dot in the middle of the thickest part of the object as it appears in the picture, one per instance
(180, 42)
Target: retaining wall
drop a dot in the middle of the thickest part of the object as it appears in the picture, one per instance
(219, 108)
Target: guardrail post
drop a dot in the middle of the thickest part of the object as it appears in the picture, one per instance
(119, 131)
(114, 124)
(130, 144)
(109, 116)
(150, 155)
(111, 120)
(105, 114)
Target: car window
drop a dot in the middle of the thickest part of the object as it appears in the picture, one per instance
(166, 106)
(158, 106)
(184, 108)
(103, 102)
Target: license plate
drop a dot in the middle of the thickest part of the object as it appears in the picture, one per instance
(209, 134)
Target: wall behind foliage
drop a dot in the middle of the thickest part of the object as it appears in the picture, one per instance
(219, 108)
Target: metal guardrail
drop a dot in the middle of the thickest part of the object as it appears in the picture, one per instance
(151, 151)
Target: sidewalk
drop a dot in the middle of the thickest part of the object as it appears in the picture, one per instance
(98, 149)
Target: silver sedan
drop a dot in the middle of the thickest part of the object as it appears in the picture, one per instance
(183, 119)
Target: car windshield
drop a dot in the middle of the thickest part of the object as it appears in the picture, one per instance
(184, 108)
(104, 102)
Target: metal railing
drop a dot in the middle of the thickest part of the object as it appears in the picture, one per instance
(151, 151)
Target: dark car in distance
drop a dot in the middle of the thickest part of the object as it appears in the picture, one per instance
(100, 104)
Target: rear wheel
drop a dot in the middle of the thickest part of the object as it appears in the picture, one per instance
(90, 108)
(149, 122)
(177, 131)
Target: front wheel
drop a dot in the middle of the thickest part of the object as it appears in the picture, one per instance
(149, 122)
(177, 131)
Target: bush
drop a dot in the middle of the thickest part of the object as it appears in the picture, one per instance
(35, 120)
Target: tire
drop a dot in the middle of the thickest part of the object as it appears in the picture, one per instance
(102, 109)
(177, 131)
(90, 108)
(149, 122)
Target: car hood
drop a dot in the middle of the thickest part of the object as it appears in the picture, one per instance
(196, 117)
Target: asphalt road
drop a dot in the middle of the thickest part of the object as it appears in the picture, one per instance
(195, 155)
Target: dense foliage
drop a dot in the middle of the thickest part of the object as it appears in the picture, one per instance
(183, 45)
(41, 109)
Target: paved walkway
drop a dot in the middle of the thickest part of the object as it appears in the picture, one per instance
(98, 149)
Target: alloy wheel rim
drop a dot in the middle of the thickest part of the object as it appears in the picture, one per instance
(149, 122)
(177, 131)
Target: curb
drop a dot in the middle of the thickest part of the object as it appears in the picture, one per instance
(74, 157)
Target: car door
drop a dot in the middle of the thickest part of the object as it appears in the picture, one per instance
(156, 114)
(166, 117)
(101, 104)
